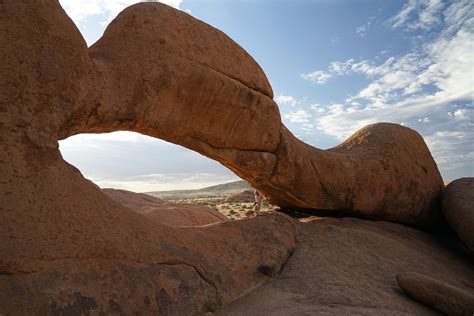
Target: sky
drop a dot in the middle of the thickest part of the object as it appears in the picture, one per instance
(334, 65)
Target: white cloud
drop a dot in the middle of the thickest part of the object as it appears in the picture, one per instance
(317, 77)
(285, 100)
(307, 127)
(463, 114)
(340, 68)
(364, 67)
(80, 10)
(361, 30)
(139, 163)
(430, 88)
(424, 120)
(163, 182)
(453, 151)
(298, 116)
(317, 108)
(418, 14)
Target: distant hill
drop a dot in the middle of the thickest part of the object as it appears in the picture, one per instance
(220, 190)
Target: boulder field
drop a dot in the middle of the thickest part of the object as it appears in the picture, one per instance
(68, 248)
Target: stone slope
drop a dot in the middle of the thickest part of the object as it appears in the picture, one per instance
(169, 213)
(66, 246)
(443, 296)
(349, 267)
(220, 190)
(242, 197)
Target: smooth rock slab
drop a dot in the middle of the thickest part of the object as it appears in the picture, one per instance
(442, 296)
(349, 266)
(458, 209)
(165, 212)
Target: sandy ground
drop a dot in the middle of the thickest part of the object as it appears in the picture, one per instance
(233, 211)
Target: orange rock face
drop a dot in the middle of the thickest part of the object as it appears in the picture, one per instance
(169, 213)
(65, 246)
(443, 296)
(160, 72)
(68, 248)
(348, 266)
(185, 82)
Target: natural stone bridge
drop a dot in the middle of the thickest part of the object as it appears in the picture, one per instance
(160, 72)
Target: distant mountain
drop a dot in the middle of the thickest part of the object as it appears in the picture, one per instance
(220, 190)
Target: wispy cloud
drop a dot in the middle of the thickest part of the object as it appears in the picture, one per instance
(317, 77)
(163, 182)
(334, 39)
(298, 116)
(361, 30)
(430, 88)
(283, 100)
(138, 163)
(418, 14)
(453, 151)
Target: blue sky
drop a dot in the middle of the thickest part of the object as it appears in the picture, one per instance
(334, 65)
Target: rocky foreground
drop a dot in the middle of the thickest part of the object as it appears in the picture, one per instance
(165, 212)
(69, 248)
(349, 266)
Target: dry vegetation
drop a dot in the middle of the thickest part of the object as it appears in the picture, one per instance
(232, 210)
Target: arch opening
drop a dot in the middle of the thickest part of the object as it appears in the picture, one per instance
(120, 162)
(140, 163)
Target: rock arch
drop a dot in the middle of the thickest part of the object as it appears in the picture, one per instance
(162, 73)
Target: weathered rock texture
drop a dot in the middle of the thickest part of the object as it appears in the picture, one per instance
(169, 213)
(68, 248)
(458, 209)
(157, 68)
(160, 72)
(349, 267)
(442, 296)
